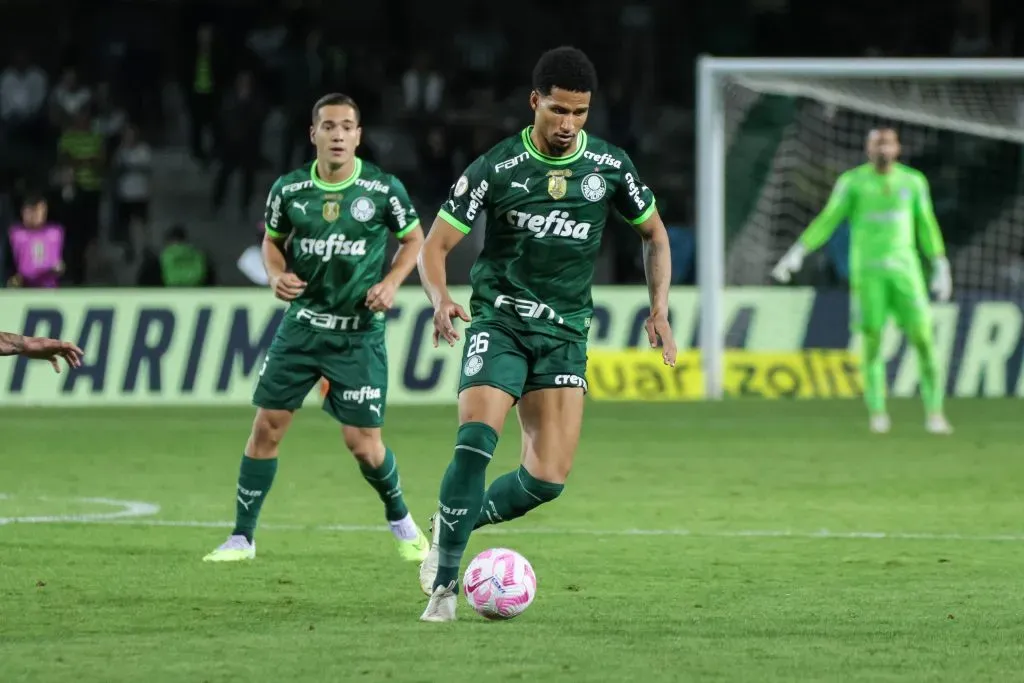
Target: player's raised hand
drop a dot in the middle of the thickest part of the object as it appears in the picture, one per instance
(53, 350)
(381, 297)
(287, 286)
(659, 329)
(443, 326)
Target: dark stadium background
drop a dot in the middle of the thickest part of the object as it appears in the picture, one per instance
(137, 59)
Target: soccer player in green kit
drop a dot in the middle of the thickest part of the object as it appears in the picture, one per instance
(546, 192)
(890, 211)
(334, 217)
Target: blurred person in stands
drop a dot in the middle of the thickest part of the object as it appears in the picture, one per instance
(37, 247)
(133, 169)
(203, 78)
(179, 264)
(242, 120)
(422, 86)
(81, 149)
(69, 97)
(312, 69)
(109, 117)
(22, 96)
(250, 263)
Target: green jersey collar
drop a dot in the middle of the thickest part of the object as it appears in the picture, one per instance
(334, 187)
(581, 146)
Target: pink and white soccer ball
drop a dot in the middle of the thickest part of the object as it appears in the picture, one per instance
(499, 583)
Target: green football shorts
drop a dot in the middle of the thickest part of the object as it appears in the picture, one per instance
(355, 365)
(881, 293)
(520, 363)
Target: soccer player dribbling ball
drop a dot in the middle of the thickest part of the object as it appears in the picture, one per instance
(890, 211)
(546, 192)
(338, 213)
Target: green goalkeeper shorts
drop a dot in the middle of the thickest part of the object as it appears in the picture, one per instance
(355, 366)
(519, 363)
(881, 293)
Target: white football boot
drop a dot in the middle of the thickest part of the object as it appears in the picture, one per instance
(442, 604)
(235, 549)
(880, 424)
(938, 424)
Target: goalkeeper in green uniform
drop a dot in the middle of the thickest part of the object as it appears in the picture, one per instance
(890, 211)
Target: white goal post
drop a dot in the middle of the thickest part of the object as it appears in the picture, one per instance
(972, 97)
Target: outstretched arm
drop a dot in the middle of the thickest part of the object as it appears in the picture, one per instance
(11, 344)
(818, 232)
(41, 348)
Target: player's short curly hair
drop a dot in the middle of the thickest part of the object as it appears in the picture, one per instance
(336, 99)
(564, 67)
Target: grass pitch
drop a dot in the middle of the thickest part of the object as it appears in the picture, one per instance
(743, 541)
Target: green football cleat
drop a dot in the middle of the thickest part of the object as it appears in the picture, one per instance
(415, 550)
(235, 549)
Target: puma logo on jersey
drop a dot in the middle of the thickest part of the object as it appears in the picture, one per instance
(334, 245)
(557, 223)
(301, 207)
(522, 185)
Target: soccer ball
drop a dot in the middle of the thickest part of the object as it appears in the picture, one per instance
(499, 583)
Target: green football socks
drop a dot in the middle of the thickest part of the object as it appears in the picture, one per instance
(932, 391)
(385, 481)
(254, 480)
(514, 494)
(873, 373)
(462, 493)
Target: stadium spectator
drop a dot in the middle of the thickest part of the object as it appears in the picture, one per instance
(69, 97)
(203, 76)
(37, 247)
(22, 96)
(133, 169)
(436, 167)
(311, 71)
(242, 119)
(80, 149)
(250, 263)
(109, 117)
(422, 86)
(179, 264)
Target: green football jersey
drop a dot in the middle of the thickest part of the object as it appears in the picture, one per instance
(339, 234)
(890, 215)
(544, 220)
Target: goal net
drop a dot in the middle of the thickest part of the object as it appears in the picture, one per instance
(787, 138)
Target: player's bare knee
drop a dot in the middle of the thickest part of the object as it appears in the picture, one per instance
(485, 404)
(268, 430)
(365, 444)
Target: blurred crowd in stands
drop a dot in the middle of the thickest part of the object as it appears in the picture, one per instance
(85, 119)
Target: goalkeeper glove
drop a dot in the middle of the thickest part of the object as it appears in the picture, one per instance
(790, 263)
(942, 282)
